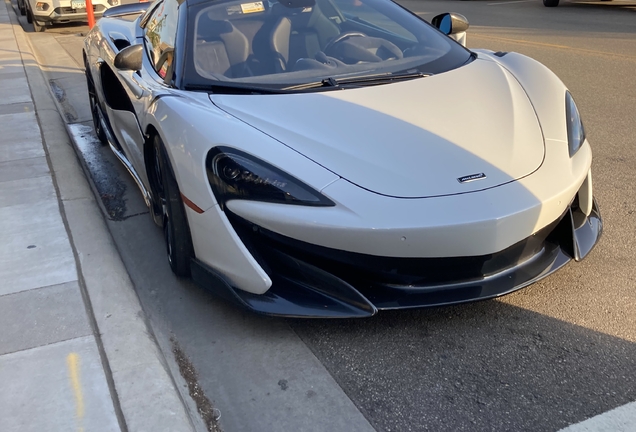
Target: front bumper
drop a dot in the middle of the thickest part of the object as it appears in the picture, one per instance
(61, 15)
(313, 281)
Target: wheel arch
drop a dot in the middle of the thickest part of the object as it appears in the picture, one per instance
(149, 135)
(186, 147)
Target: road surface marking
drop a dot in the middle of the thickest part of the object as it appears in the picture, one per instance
(621, 419)
(72, 361)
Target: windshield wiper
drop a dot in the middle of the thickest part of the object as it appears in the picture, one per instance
(230, 88)
(381, 78)
(327, 82)
(374, 79)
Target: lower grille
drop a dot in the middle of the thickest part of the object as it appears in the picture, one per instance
(367, 271)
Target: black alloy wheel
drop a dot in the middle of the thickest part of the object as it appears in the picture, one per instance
(175, 223)
(93, 102)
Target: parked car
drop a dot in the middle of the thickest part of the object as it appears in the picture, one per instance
(555, 3)
(43, 13)
(332, 158)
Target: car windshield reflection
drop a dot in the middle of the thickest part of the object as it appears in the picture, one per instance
(293, 42)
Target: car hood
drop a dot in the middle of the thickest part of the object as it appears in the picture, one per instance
(409, 139)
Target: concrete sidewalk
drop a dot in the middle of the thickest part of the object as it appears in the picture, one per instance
(75, 349)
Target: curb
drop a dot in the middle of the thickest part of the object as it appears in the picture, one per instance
(144, 393)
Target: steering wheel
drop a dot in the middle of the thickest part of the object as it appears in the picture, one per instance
(342, 37)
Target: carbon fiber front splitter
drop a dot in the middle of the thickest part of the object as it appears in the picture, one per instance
(315, 282)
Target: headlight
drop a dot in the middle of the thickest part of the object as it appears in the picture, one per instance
(234, 174)
(576, 132)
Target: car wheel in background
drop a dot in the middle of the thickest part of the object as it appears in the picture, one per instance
(38, 26)
(29, 16)
(175, 223)
(550, 3)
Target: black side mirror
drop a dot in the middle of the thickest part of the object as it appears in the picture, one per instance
(450, 23)
(129, 58)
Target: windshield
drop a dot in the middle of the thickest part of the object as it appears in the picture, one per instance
(290, 43)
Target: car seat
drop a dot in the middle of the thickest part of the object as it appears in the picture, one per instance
(221, 49)
(291, 34)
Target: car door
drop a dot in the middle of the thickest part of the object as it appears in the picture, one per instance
(144, 86)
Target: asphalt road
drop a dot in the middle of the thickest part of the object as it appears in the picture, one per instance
(550, 355)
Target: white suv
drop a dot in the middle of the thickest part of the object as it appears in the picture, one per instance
(46, 12)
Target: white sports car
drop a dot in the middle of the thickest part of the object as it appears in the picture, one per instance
(332, 158)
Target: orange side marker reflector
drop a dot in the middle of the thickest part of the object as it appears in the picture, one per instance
(190, 204)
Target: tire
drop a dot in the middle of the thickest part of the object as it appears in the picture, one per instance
(38, 27)
(550, 3)
(93, 102)
(29, 16)
(175, 223)
(22, 9)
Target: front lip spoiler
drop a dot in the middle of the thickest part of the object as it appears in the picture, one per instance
(288, 298)
(300, 289)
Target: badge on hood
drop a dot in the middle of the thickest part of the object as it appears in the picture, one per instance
(471, 177)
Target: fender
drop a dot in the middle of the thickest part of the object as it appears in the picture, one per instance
(213, 127)
(544, 89)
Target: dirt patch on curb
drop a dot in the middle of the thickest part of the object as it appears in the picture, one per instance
(209, 414)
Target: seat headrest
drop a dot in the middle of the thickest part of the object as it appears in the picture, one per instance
(209, 29)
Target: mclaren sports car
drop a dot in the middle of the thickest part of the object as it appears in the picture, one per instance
(333, 158)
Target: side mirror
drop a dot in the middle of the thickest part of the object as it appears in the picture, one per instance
(130, 58)
(453, 25)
